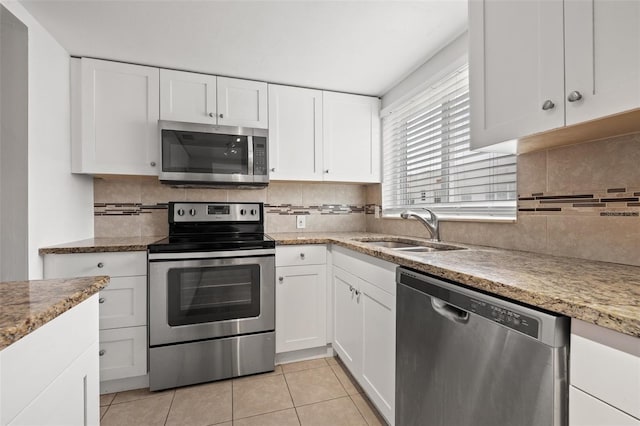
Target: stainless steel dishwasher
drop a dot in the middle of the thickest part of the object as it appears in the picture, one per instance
(465, 358)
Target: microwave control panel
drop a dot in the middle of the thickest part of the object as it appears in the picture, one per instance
(259, 155)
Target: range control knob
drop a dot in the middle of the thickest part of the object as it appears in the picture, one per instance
(254, 212)
(180, 212)
(243, 212)
(192, 212)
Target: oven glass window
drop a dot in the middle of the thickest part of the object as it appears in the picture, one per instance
(194, 152)
(218, 293)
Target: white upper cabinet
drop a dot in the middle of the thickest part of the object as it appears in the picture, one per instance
(186, 96)
(295, 133)
(516, 66)
(351, 138)
(114, 118)
(242, 103)
(207, 99)
(602, 43)
(538, 65)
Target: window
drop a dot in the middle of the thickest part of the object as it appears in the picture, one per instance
(427, 161)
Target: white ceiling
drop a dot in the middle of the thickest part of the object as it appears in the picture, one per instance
(351, 46)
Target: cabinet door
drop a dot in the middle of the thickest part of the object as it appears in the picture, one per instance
(116, 118)
(188, 97)
(602, 57)
(516, 64)
(379, 348)
(347, 334)
(351, 138)
(123, 353)
(72, 398)
(123, 303)
(301, 307)
(295, 133)
(585, 410)
(242, 103)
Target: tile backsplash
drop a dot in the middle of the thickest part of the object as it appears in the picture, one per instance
(132, 206)
(579, 201)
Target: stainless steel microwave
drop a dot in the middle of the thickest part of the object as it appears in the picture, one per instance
(199, 154)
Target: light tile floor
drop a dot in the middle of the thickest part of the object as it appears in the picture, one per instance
(316, 392)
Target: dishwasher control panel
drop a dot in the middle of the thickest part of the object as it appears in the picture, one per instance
(512, 319)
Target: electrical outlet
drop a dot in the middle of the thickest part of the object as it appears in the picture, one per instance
(301, 221)
(376, 212)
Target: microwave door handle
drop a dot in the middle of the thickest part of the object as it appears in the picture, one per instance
(250, 154)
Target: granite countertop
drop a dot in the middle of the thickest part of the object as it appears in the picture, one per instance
(27, 305)
(602, 293)
(101, 245)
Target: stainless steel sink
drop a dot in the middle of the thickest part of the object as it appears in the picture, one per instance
(411, 247)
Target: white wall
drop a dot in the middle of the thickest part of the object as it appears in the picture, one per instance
(13, 148)
(446, 60)
(60, 204)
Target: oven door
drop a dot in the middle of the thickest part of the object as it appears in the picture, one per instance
(193, 299)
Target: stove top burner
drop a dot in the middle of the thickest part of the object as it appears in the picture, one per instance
(197, 227)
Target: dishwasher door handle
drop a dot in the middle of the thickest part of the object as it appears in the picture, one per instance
(449, 311)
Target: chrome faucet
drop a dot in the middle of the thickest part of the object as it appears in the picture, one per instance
(431, 223)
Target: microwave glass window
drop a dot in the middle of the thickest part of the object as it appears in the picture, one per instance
(194, 152)
(207, 294)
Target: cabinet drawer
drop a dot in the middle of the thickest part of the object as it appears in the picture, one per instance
(301, 255)
(606, 364)
(123, 353)
(115, 264)
(378, 272)
(123, 303)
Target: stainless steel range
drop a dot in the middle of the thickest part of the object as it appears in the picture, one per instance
(211, 295)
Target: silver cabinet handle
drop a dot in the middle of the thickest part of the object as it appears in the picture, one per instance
(302, 256)
(153, 164)
(547, 105)
(101, 300)
(574, 96)
(100, 265)
(281, 279)
(212, 115)
(357, 292)
(102, 352)
(221, 115)
(273, 169)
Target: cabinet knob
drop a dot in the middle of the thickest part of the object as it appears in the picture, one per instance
(101, 300)
(357, 292)
(326, 171)
(273, 169)
(281, 279)
(302, 256)
(153, 164)
(212, 115)
(100, 265)
(351, 288)
(574, 96)
(221, 115)
(547, 105)
(102, 352)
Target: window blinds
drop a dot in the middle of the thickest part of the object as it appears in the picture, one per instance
(427, 161)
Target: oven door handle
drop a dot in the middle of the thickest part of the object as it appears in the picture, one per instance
(211, 254)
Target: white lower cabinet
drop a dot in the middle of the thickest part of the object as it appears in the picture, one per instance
(50, 376)
(365, 324)
(123, 311)
(604, 376)
(301, 289)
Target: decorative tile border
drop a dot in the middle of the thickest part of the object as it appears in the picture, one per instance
(135, 209)
(617, 201)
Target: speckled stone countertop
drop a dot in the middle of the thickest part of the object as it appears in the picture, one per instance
(606, 294)
(27, 305)
(101, 245)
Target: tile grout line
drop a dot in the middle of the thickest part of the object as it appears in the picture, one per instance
(284, 376)
(166, 419)
(358, 408)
